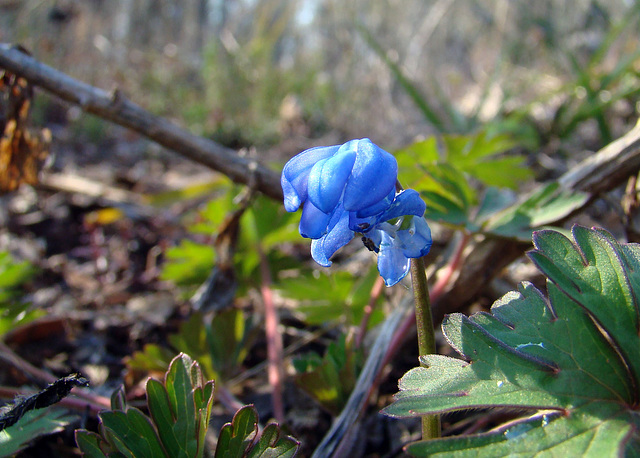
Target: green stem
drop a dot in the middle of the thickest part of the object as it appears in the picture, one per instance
(426, 337)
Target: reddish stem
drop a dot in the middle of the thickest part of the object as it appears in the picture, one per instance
(376, 290)
(274, 339)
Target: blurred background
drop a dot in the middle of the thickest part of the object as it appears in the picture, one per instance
(262, 73)
(487, 99)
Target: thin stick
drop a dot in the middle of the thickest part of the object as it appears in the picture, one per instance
(116, 108)
(376, 290)
(274, 339)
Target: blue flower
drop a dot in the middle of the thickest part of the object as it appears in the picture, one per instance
(409, 237)
(350, 188)
(358, 173)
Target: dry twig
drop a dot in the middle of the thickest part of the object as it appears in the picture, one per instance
(116, 108)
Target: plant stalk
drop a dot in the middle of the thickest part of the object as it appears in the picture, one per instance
(426, 336)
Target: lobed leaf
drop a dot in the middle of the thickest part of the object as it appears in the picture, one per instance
(592, 431)
(236, 437)
(180, 410)
(574, 355)
(273, 445)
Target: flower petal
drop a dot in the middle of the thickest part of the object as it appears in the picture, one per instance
(416, 241)
(338, 235)
(313, 223)
(378, 207)
(393, 265)
(373, 176)
(295, 174)
(328, 178)
(407, 202)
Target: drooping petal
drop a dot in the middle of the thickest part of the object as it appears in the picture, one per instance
(378, 207)
(416, 241)
(338, 235)
(313, 223)
(295, 175)
(328, 178)
(373, 176)
(393, 265)
(407, 202)
(362, 225)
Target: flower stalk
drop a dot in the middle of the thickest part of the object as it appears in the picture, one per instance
(426, 336)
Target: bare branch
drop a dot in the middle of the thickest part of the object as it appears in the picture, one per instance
(118, 109)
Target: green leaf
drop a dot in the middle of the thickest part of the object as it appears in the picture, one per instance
(590, 431)
(270, 224)
(179, 386)
(132, 433)
(219, 346)
(482, 156)
(118, 399)
(214, 213)
(448, 195)
(192, 340)
(203, 396)
(180, 411)
(189, 263)
(152, 358)
(13, 276)
(273, 445)
(229, 340)
(91, 444)
(32, 425)
(240, 438)
(326, 296)
(575, 355)
(236, 437)
(413, 159)
(544, 206)
(330, 380)
(163, 416)
(597, 268)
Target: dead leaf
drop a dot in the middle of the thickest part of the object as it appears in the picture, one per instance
(23, 150)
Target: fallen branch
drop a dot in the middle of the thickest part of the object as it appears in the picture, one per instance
(115, 107)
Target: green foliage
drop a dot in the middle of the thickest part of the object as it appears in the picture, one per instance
(240, 438)
(188, 263)
(13, 311)
(595, 89)
(152, 358)
(330, 379)
(575, 356)
(264, 224)
(180, 410)
(219, 346)
(544, 206)
(445, 179)
(33, 424)
(328, 296)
